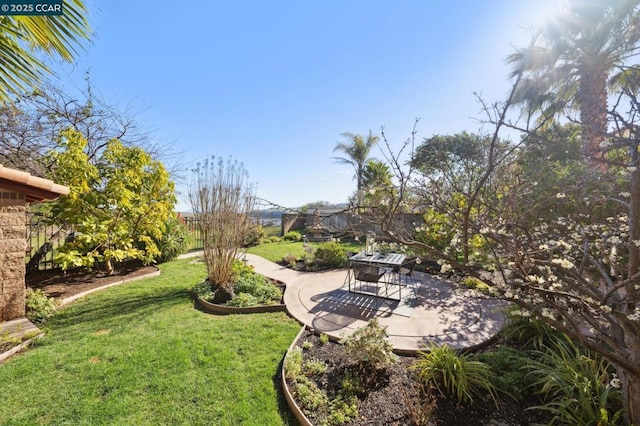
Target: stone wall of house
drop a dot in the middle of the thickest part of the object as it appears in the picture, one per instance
(13, 243)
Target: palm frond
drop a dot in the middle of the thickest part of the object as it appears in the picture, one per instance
(21, 36)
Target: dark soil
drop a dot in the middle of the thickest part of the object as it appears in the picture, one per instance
(62, 284)
(387, 398)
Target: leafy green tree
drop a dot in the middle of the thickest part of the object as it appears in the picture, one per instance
(117, 208)
(454, 182)
(313, 206)
(571, 62)
(356, 153)
(548, 163)
(60, 35)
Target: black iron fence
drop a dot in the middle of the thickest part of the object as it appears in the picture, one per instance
(196, 236)
(43, 240)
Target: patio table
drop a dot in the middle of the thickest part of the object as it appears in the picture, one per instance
(385, 262)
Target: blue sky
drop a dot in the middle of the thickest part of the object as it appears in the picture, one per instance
(274, 84)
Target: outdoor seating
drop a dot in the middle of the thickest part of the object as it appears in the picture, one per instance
(367, 273)
(406, 269)
(371, 268)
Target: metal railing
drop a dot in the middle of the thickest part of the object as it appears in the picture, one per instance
(196, 236)
(43, 239)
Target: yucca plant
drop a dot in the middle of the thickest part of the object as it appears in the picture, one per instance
(580, 387)
(454, 375)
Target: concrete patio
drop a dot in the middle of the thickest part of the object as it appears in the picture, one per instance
(430, 310)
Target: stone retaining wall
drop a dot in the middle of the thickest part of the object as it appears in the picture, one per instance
(13, 244)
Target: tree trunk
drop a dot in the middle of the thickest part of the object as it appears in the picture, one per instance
(223, 294)
(108, 267)
(592, 100)
(634, 223)
(465, 237)
(630, 397)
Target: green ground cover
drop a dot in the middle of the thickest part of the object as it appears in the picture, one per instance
(276, 251)
(141, 354)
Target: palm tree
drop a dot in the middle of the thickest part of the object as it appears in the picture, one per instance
(376, 174)
(377, 184)
(356, 152)
(22, 35)
(573, 61)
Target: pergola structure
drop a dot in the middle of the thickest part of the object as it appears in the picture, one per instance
(18, 188)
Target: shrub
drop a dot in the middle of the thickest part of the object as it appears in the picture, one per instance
(314, 367)
(243, 300)
(290, 259)
(203, 290)
(476, 284)
(456, 376)
(308, 259)
(39, 307)
(530, 333)
(258, 286)
(351, 385)
(257, 234)
(342, 411)
(581, 386)
(292, 236)
(324, 338)
(421, 409)
(175, 240)
(509, 370)
(369, 347)
(310, 397)
(331, 255)
(251, 288)
(238, 268)
(306, 346)
(293, 364)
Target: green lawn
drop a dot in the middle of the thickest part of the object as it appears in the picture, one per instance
(141, 354)
(276, 251)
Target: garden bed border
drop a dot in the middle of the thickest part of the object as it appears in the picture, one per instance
(302, 419)
(213, 308)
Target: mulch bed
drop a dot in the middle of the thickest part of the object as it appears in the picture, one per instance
(62, 284)
(386, 402)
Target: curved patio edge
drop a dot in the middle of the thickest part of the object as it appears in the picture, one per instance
(442, 313)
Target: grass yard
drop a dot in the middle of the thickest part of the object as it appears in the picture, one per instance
(276, 251)
(141, 354)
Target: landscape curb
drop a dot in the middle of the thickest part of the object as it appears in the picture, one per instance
(212, 308)
(8, 354)
(70, 299)
(11, 352)
(293, 406)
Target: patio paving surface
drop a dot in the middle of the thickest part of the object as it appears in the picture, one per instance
(430, 310)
